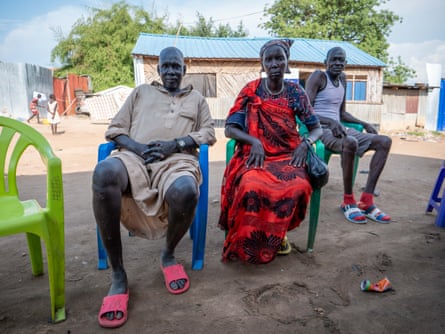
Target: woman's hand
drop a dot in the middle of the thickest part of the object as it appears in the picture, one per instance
(256, 155)
(299, 156)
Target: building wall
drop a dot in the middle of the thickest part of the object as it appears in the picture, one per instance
(231, 76)
(403, 108)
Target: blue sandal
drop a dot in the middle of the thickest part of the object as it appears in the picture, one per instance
(376, 215)
(353, 214)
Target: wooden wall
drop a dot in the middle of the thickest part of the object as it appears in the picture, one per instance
(404, 107)
(232, 75)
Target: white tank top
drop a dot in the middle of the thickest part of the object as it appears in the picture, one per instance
(328, 101)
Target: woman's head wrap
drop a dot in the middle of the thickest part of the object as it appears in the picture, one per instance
(285, 44)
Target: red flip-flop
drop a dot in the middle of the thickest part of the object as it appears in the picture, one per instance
(172, 274)
(114, 303)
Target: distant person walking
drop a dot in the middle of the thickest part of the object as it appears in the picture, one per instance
(33, 106)
(53, 113)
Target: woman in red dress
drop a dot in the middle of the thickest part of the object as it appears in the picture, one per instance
(266, 190)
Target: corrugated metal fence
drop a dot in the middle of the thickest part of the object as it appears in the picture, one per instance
(69, 92)
(21, 82)
(18, 83)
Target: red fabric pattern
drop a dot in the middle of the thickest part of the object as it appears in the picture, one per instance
(258, 206)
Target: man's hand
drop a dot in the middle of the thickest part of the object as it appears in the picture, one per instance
(159, 150)
(338, 130)
(369, 128)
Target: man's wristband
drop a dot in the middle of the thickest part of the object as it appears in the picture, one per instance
(185, 144)
(180, 144)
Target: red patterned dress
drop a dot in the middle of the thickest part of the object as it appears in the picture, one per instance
(259, 205)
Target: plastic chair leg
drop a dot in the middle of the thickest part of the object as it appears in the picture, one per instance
(436, 202)
(199, 228)
(314, 212)
(354, 173)
(440, 219)
(102, 262)
(35, 253)
(327, 155)
(198, 243)
(56, 274)
(434, 198)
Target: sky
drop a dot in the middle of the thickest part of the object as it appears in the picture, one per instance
(28, 27)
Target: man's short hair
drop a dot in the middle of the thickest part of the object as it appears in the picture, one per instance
(332, 50)
(171, 49)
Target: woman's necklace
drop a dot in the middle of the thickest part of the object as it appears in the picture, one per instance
(273, 93)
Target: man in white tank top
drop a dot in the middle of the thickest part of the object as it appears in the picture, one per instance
(327, 93)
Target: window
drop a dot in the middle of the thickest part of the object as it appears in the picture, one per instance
(356, 88)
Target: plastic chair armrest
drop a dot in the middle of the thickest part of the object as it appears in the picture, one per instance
(355, 126)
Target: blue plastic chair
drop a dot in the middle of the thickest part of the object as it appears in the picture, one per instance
(437, 202)
(199, 225)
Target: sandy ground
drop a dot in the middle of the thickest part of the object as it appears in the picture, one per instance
(298, 293)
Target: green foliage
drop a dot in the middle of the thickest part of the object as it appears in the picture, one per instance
(206, 28)
(358, 22)
(415, 133)
(361, 23)
(100, 45)
(398, 72)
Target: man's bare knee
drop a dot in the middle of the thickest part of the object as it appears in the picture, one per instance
(183, 191)
(107, 173)
(350, 144)
(386, 143)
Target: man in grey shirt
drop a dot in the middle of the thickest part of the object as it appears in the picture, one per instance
(151, 184)
(327, 93)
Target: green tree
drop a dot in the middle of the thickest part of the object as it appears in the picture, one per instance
(101, 45)
(397, 72)
(207, 28)
(225, 30)
(358, 22)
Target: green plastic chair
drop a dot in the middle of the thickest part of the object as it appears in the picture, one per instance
(325, 154)
(27, 216)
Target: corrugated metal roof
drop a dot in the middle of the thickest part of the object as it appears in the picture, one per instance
(303, 49)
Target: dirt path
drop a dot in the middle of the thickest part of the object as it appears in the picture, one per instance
(298, 293)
